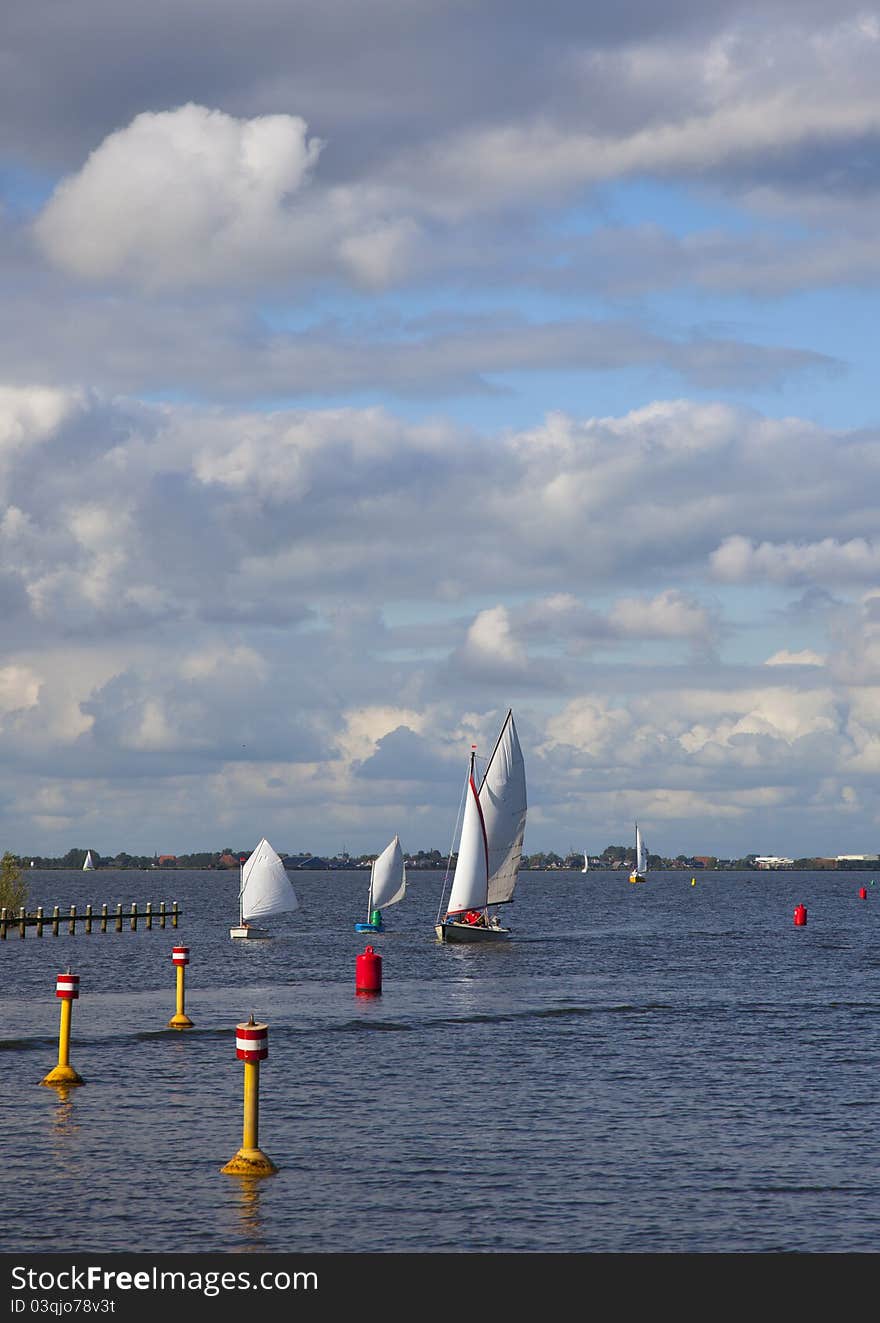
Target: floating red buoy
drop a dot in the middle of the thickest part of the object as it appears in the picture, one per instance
(800, 915)
(368, 971)
(863, 893)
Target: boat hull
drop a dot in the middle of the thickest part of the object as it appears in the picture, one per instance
(246, 931)
(369, 928)
(636, 877)
(470, 932)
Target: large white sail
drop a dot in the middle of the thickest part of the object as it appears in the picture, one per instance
(265, 887)
(388, 881)
(89, 862)
(503, 802)
(469, 881)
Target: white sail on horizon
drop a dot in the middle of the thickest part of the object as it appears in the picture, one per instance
(387, 877)
(503, 802)
(470, 879)
(492, 830)
(265, 887)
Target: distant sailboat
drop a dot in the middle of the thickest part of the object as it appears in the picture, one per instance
(490, 846)
(586, 867)
(89, 862)
(387, 886)
(265, 891)
(640, 871)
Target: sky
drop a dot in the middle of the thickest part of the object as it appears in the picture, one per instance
(368, 369)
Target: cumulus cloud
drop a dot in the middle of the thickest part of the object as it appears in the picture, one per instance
(739, 560)
(179, 195)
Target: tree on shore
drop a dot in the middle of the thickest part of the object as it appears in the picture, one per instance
(13, 891)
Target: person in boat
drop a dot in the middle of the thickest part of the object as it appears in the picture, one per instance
(476, 918)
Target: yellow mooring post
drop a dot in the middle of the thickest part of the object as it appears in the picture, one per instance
(251, 1047)
(180, 956)
(67, 988)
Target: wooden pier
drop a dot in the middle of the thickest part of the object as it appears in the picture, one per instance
(88, 920)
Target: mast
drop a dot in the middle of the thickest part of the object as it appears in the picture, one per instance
(370, 892)
(241, 890)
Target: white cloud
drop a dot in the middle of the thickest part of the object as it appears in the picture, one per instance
(180, 195)
(739, 560)
(805, 657)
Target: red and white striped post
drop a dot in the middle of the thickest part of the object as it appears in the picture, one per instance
(67, 991)
(180, 1020)
(251, 1047)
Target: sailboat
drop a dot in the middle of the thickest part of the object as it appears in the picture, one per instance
(387, 886)
(89, 862)
(640, 871)
(490, 845)
(265, 891)
(586, 867)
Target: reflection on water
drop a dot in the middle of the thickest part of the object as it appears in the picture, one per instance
(63, 1118)
(249, 1219)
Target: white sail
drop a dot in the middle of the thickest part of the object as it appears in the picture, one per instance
(470, 879)
(586, 867)
(640, 867)
(89, 861)
(388, 878)
(265, 887)
(503, 802)
(641, 854)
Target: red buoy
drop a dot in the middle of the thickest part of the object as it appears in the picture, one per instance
(800, 915)
(863, 893)
(368, 971)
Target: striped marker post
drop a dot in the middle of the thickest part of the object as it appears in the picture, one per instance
(251, 1047)
(67, 990)
(180, 1020)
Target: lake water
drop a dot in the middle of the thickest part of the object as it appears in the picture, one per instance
(661, 1068)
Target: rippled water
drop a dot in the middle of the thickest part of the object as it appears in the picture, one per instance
(655, 1068)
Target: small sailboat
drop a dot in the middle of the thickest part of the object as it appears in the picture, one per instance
(387, 886)
(490, 845)
(640, 871)
(88, 862)
(586, 867)
(265, 891)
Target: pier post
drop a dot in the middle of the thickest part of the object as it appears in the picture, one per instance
(103, 918)
(67, 989)
(161, 914)
(88, 918)
(134, 916)
(149, 915)
(119, 917)
(180, 1020)
(174, 914)
(39, 921)
(3, 923)
(22, 922)
(71, 926)
(251, 1047)
(56, 915)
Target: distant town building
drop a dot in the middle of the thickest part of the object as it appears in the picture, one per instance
(772, 861)
(857, 858)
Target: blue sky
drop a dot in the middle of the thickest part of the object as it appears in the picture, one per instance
(370, 369)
